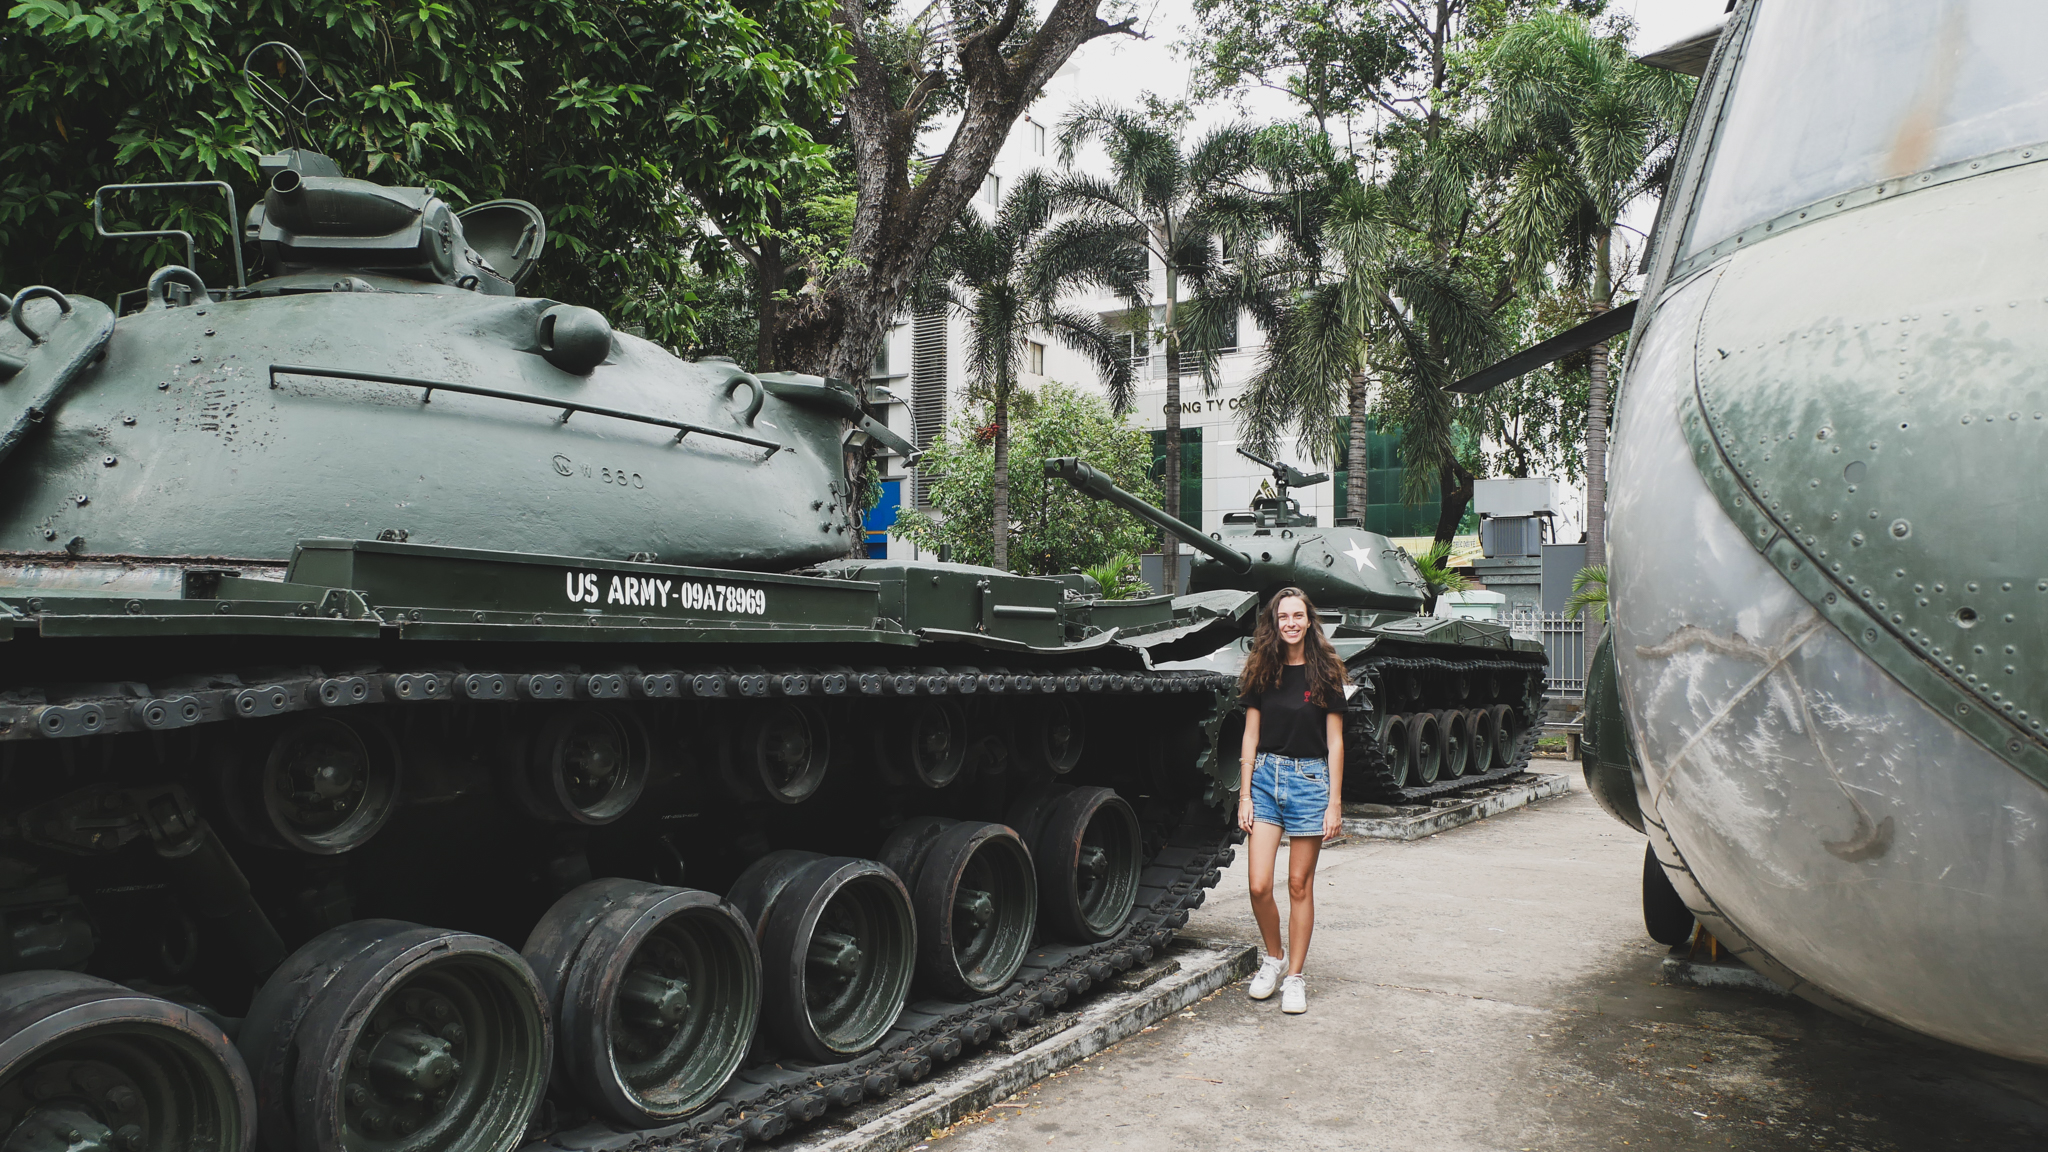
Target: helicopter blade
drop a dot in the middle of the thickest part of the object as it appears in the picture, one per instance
(1605, 326)
(1688, 56)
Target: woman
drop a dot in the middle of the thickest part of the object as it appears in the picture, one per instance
(1292, 779)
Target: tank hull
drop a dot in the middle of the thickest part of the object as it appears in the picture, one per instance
(469, 689)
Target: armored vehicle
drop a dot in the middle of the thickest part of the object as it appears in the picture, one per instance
(1441, 704)
(1825, 692)
(431, 719)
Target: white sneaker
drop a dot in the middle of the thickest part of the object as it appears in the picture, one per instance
(1267, 977)
(1294, 995)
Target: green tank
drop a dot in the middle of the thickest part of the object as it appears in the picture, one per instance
(432, 719)
(1440, 704)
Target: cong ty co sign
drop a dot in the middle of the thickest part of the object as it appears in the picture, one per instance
(1197, 407)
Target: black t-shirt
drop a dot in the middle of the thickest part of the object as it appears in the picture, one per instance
(1290, 723)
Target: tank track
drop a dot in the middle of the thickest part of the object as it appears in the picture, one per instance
(1370, 778)
(765, 1099)
(768, 1100)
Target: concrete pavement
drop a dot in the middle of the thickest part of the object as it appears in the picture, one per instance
(1491, 988)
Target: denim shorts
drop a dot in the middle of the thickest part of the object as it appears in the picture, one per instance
(1293, 794)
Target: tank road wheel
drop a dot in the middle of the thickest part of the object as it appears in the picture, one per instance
(1050, 736)
(1425, 748)
(323, 786)
(89, 1066)
(381, 1034)
(838, 950)
(587, 765)
(1394, 747)
(1665, 915)
(1088, 852)
(975, 894)
(1485, 741)
(927, 743)
(1507, 733)
(779, 752)
(1455, 735)
(655, 993)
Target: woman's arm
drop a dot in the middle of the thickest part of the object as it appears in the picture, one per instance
(1333, 735)
(1247, 754)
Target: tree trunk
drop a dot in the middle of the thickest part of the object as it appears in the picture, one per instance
(1596, 422)
(1169, 544)
(1000, 522)
(897, 219)
(1456, 485)
(1359, 457)
(768, 282)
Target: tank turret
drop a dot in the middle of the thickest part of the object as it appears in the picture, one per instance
(1275, 545)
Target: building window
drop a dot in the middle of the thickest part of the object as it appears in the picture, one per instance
(992, 188)
(1038, 139)
(880, 367)
(1136, 335)
(1035, 353)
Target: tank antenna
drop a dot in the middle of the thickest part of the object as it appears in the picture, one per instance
(296, 108)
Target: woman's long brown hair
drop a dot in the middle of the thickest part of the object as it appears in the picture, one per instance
(1262, 668)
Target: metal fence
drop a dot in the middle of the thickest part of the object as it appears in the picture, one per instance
(1564, 642)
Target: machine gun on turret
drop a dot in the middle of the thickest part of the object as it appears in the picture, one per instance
(1282, 511)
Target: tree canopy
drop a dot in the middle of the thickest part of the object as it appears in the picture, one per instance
(608, 114)
(1056, 529)
(1458, 176)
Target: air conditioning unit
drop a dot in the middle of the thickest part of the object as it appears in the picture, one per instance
(1511, 536)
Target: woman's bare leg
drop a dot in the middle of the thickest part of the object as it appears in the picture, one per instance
(1264, 846)
(1301, 896)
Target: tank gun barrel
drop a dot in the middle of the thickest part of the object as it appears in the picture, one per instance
(1089, 482)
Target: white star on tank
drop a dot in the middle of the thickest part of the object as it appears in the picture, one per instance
(1361, 556)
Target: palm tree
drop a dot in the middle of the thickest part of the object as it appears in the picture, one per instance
(1185, 209)
(1588, 131)
(1007, 277)
(1379, 294)
(1589, 593)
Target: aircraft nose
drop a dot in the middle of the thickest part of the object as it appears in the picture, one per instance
(1800, 520)
(1884, 447)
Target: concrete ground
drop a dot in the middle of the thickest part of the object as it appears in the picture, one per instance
(1491, 988)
